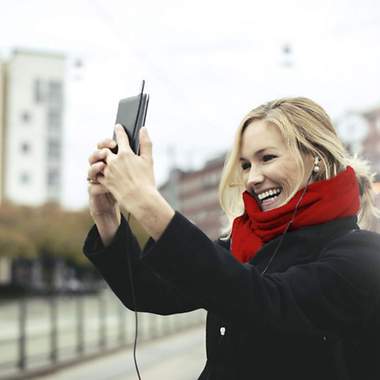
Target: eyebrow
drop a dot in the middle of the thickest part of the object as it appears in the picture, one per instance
(258, 152)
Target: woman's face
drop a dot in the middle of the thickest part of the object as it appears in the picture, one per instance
(268, 165)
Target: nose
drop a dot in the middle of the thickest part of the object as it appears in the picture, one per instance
(255, 177)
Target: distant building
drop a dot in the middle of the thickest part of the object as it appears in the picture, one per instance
(170, 189)
(195, 195)
(31, 127)
(371, 144)
(360, 131)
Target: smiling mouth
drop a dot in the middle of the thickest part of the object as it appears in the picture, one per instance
(269, 196)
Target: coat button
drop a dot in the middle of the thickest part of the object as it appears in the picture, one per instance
(222, 330)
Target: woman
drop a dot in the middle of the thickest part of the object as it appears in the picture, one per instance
(293, 290)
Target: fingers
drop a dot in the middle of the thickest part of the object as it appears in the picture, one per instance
(99, 155)
(106, 143)
(122, 139)
(145, 144)
(97, 189)
(104, 147)
(95, 170)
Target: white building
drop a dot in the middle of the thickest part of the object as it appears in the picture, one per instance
(32, 127)
(2, 99)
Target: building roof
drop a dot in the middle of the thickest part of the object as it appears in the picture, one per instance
(41, 53)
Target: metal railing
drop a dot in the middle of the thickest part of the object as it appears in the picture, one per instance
(43, 333)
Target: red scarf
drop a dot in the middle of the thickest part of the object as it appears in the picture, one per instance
(323, 201)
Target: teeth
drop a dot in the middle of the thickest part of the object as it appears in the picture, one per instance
(269, 193)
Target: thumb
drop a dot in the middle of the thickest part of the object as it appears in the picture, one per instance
(145, 143)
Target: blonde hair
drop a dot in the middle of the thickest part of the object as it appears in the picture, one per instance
(306, 129)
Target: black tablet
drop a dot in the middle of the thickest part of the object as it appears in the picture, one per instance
(131, 114)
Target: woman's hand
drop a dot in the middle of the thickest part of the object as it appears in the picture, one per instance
(128, 176)
(103, 206)
(130, 179)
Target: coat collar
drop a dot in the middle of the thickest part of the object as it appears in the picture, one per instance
(303, 245)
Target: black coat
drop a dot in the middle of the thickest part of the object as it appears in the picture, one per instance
(315, 313)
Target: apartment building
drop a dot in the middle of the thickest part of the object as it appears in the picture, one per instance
(32, 107)
(2, 119)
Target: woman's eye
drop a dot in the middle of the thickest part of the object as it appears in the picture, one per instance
(245, 165)
(268, 157)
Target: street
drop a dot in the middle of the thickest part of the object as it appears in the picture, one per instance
(178, 357)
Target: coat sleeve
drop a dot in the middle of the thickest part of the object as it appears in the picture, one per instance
(121, 266)
(330, 294)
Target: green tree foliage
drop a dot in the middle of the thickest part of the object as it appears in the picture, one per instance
(49, 231)
(15, 244)
(46, 230)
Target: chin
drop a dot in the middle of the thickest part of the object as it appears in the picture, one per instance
(274, 206)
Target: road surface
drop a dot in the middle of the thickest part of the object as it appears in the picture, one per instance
(177, 357)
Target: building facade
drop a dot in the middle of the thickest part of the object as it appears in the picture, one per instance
(2, 129)
(32, 129)
(195, 195)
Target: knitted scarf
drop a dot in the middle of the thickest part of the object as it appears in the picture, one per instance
(322, 202)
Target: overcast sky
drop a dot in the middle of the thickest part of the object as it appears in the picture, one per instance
(206, 64)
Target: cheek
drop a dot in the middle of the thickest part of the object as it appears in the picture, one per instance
(288, 178)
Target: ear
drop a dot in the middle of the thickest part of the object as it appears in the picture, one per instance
(308, 165)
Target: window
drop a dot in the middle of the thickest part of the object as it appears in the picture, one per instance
(26, 117)
(39, 91)
(55, 92)
(25, 178)
(54, 118)
(53, 177)
(54, 149)
(50, 91)
(210, 180)
(25, 147)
